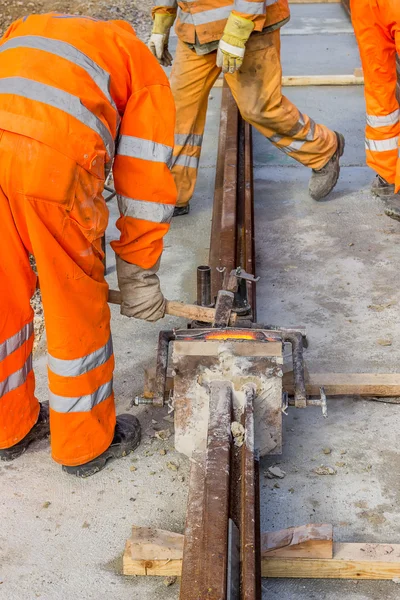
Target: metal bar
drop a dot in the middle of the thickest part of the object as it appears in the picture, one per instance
(249, 235)
(205, 557)
(192, 566)
(223, 229)
(204, 286)
(164, 338)
(216, 506)
(248, 543)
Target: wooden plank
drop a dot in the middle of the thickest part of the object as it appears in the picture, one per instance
(349, 384)
(306, 541)
(304, 80)
(350, 561)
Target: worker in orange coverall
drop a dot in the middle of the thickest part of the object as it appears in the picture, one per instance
(377, 28)
(241, 38)
(75, 93)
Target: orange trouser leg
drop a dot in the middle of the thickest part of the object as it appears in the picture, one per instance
(192, 78)
(60, 216)
(378, 56)
(256, 88)
(18, 406)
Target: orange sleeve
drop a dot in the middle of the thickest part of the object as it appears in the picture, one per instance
(144, 184)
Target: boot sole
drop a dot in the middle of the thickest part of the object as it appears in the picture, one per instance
(340, 151)
(42, 432)
(392, 214)
(98, 464)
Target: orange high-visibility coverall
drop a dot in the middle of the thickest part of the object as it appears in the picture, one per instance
(377, 28)
(68, 85)
(256, 87)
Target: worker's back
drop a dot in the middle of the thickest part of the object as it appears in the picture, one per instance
(66, 80)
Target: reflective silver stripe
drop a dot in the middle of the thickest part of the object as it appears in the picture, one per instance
(144, 149)
(169, 3)
(79, 366)
(67, 51)
(72, 105)
(15, 380)
(383, 121)
(382, 145)
(66, 404)
(206, 16)
(188, 139)
(146, 211)
(250, 8)
(185, 161)
(295, 145)
(15, 341)
(271, 2)
(311, 132)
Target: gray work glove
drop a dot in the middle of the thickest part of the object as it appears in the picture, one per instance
(142, 297)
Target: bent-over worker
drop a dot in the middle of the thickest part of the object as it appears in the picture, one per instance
(241, 38)
(377, 28)
(69, 86)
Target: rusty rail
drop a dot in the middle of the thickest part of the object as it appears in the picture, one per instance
(222, 558)
(232, 232)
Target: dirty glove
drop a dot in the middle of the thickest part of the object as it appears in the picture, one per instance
(140, 290)
(158, 43)
(232, 45)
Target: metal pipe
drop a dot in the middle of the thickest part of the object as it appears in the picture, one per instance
(204, 285)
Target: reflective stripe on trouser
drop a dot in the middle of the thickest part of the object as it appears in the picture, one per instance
(260, 102)
(61, 225)
(373, 26)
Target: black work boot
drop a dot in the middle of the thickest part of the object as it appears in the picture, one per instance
(324, 180)
(39, 431)
(392, 209)
(381, 188)
(179, 211)
(126, 439)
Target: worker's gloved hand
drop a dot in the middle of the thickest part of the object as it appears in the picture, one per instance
(232, 45)
(142, 297)
(159, 38)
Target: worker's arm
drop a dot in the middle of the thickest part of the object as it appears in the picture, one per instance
(238, 29)
(146, 197)
(163, 19)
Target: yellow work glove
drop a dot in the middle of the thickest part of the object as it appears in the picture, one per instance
(232, 45)
(158, 43)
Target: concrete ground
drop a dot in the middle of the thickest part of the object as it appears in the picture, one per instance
(331, 266)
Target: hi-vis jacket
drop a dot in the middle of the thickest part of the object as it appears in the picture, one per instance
(92, 91)
(206, 18)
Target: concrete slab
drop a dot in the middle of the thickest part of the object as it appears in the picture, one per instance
(308, 19)
(340, 108)
(322, 55)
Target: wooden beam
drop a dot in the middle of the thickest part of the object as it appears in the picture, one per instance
(307, 541)
(349, 561)
(304, 80)
(348, 384)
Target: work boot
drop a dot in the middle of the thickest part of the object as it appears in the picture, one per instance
(179, 211)
(392, 209)
(39, 431)
(381, 188)
(324, 180)
(127, 436)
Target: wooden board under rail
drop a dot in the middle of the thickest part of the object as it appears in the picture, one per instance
(298, 552)
(349, 384)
